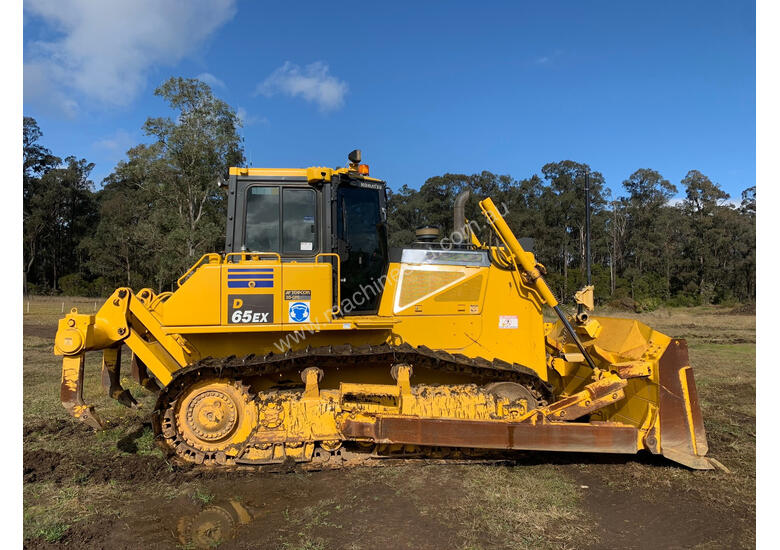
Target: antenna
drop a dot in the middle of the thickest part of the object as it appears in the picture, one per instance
(585, 296)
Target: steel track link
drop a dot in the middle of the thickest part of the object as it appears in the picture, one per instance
(324, 357)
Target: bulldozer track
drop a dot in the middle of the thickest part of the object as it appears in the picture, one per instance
(480, 370)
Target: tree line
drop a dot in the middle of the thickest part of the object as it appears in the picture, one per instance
(645, 248)
(160, 209)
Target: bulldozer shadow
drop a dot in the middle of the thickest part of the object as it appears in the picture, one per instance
(643, 458)
(129, 443)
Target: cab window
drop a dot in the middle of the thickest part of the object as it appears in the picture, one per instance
(299, 230)
(282, 220)
(262, 219)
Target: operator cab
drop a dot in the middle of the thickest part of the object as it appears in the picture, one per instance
(307, 215)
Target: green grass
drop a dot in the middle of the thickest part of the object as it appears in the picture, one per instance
(51, 532)
(518, 507)
(56, 509)
(202, 495)
(305, 544)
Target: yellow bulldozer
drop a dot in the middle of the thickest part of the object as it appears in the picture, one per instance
(310, 340)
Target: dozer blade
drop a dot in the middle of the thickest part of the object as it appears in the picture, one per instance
(601, 437)
(72, 388)
(683, 438)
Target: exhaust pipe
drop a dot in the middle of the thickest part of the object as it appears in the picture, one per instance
(459, 222)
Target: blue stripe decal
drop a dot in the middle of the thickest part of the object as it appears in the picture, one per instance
(250, 276)
(245, 284)
(250, 269)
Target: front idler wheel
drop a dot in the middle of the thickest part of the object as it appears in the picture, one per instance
(513, 392)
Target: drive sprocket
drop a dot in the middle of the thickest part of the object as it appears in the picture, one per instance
(211, 418)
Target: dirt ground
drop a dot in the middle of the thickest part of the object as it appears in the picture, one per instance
(115, 489)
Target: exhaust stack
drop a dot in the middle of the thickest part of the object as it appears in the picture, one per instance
(459, 216)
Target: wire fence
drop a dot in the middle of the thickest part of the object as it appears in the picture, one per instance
(58, 305)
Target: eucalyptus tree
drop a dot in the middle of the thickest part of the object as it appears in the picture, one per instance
(646, 243)
(172, 183)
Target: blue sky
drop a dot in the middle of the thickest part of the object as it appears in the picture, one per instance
(421, 88)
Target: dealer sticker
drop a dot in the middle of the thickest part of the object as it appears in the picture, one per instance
(297, 295)
(299, 312)
(507, 321)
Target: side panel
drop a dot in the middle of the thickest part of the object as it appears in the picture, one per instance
(307, 295)
(476, 311)
(197, 301)
(452, 333)
(512, 324)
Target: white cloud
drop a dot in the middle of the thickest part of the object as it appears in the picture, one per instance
(547, 58)
(248, 120)
(117, 143)
(312, 83)
(104, 50)
(211, 80)
(37, 88)
(679, 201)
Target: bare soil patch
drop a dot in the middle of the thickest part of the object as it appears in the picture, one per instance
(42, 465)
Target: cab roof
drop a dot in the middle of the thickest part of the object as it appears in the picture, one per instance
(312, 174)
(239, 171)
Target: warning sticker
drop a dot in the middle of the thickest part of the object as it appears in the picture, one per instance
(507, 321)
(299, 312)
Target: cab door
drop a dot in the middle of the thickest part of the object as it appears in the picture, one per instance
(362, 247)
